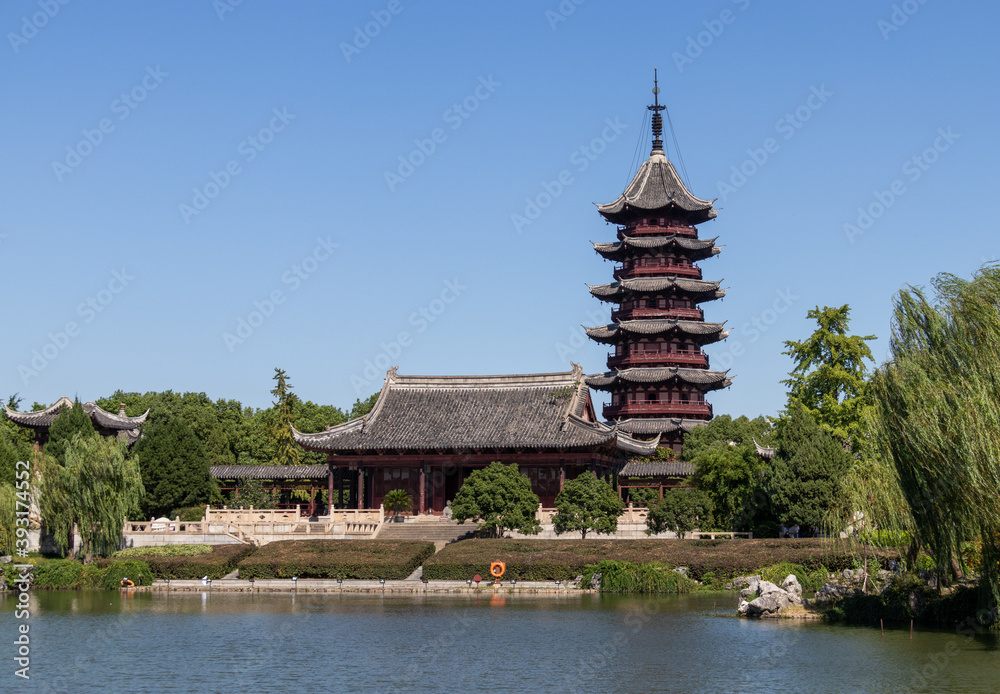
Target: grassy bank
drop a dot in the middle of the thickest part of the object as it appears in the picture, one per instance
(188, 561)
(75, 575)
(347, 559)
(713, 561)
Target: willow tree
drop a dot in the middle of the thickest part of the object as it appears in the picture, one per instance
(8, 519)
(937, 416)
(97, 489)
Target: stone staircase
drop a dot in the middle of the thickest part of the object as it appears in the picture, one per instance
(437, 531)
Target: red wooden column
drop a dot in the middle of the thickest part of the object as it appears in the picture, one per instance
(329, 490)
(423, 489)
(361, 486)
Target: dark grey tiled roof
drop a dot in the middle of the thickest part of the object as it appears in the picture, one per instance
(764, 452)
(656, 187)
(102, 418)
(613, 332)
(701, 290)
(635, 468)
(444, 413)
(656, 425)
(270, 472)
(698, 248)
(666, 374)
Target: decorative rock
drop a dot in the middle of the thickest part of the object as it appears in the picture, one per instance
(791, 585)
(682, 570)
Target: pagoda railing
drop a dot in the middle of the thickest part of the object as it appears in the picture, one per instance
(654, 230)
(685, 313)
(646, 270)
(636, 358)
(698, 410)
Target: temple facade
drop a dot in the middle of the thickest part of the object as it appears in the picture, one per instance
(105, 423)
(658, 373)
(425, 434)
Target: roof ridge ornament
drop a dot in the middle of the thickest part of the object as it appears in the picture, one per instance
(657, 118)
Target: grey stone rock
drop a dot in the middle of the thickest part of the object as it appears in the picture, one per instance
(791, 585)
(682, 570)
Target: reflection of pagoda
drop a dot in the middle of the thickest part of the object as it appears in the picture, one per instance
(658, 373)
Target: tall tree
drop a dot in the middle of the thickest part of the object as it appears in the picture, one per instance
(808, 471)
(937, 409)
(68, 423)
(680, 510)
(288, 452)
(829, 376)
(586, 504)
(175, 469)
(98, 487)
(500, 498)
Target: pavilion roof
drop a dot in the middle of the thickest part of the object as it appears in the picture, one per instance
(699, 248)
(269, 472)
(128, 426)
(638, 468)
(451, 413)
(702, 378)
(654, 425)
(613, 332)
(703, 290)
(657, 188)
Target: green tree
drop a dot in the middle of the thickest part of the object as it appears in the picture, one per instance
(252, 494)
(397, 500)
(8, 519)
(587, 503)
(643, 496)
(363, 407)
(97, 488)
(288, 451)
(68, 423)
(808, 471)
(175, 469)
(829, 376)
(680, 510)
(500, 498)
(937, 416)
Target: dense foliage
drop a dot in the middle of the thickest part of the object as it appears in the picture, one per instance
(98, 488)
(69, 423)
(174, 466)
(627, 577)
(586, 504)
(346, 559)
(500, 498)
(937, 418)
(219, 561)
(680, 510)
(397, 501)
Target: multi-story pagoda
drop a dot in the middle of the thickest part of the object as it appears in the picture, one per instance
(658, 373)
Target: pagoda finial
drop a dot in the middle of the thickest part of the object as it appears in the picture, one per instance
(657, 118)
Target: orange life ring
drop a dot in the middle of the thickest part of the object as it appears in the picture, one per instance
(497, 569)
(126, 583)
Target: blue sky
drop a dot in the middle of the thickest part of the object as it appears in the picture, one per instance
(195, 192)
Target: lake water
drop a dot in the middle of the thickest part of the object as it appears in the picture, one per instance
(84, 642)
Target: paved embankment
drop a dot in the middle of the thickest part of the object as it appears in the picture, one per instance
(311, 585)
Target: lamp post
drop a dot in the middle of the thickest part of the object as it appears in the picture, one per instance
(295, 584)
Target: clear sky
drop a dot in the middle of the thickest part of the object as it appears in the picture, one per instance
(195, 192)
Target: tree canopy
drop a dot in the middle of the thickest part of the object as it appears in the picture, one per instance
(829, 376)
(587, 504)
(175, 470)
(680, 510)
(68, 423)
(499, 497)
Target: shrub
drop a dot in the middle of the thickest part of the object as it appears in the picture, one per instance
(216, 563)
(347, 559)
(163, 551)
(190, 514)
(58, 573)
(626, 577)
(136, 571)
(811, 579)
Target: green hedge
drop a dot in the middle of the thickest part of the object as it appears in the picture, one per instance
(216, 563)
(549, 560)
(626, 577)
(347, 559)
(163, 551)
(72, 574)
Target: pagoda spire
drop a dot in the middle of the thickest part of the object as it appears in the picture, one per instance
(657, 118)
